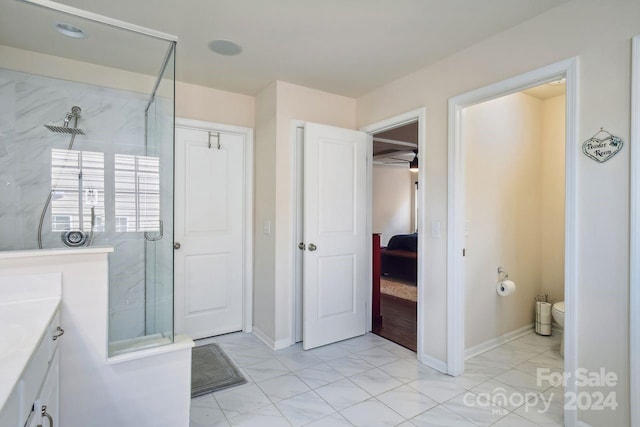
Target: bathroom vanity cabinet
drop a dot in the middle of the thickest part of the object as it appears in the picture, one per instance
(34, 399)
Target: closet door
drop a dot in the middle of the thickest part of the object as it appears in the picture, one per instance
(209, 213)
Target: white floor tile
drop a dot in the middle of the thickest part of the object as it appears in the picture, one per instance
(265, 370)
(371, 413)
(319, 375)
(330, 352)
(440, 417)
(406, 370)
(406, 401)
(547, 409)
(532, 368)
(349, 366)
(283, 387)
(508, 357)
(484, 365)
(269, 416)
(439, 388)
(407, 393)
(241, 399)
(304, 408)
(205, 411)
(299, 360)
(342, 394)
(501, 394)
(247, 361)
(401, 352)
(334, 420)
(522, 381)
(478, 411)
(513, 420)
(539, 340)
(377, 356)
(362, 343)
(550, 358)
(375, 381)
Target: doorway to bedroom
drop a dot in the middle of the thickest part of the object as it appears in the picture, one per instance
(394, 215)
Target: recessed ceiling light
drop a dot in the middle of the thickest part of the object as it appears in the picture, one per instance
(70, 30)
(225, 47)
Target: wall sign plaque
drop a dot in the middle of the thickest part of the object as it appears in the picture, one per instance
(602, 146)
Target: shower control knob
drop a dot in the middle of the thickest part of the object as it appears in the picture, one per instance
(176, 245)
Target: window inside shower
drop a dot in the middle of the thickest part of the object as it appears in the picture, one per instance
(86, 159)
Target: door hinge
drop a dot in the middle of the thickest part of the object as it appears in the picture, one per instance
(464, 252)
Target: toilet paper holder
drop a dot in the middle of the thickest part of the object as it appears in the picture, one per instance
(502, 274)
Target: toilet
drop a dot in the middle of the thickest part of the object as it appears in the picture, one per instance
(557, 312)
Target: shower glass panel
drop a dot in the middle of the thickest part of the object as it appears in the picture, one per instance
(86, 156)
(158, 206)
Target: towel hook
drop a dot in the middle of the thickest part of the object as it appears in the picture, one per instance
(217, 135)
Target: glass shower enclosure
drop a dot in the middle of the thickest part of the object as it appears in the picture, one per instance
(86, 154)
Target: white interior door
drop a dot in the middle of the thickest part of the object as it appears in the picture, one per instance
(209, 216)
(335, 259)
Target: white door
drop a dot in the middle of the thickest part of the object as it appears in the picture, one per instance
(209, 214)
(335, 259)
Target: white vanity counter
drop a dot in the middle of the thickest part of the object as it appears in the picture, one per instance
(29, 306)
(22, 326)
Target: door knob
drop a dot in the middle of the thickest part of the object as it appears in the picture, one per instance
(312, 247)
(176, 245)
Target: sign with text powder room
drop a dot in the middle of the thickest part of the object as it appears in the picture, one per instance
(603, 148)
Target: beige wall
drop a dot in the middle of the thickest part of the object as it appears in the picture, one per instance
(599, 34)
(392, 201)
(277, 107)
(515, 210)
(553, 159)
(503, 213)
(264, 304)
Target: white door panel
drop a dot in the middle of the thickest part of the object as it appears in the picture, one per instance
(335, 274)
(209, 217)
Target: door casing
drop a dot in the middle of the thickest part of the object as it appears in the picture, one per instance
(420, 116)
(456, 213)
(634, 264)
(296, 260)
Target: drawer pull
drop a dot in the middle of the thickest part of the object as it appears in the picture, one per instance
(59, 333)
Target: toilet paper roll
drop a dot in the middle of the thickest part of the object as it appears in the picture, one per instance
(506, 287)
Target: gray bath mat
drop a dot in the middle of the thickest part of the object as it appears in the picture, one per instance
(211, 370)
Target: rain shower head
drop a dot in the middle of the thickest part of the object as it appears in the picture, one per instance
(74, 114)
(65, 129)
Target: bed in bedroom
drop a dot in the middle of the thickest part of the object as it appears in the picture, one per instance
(400, 258)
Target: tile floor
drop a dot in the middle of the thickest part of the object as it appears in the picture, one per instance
(369, 381)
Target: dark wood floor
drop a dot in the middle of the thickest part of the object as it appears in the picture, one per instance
(399, 321)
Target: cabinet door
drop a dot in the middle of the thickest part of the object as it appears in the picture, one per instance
(49, 395)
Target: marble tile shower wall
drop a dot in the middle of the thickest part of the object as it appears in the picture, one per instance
(114, 123)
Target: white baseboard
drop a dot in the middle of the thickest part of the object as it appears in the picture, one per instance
(498, 341)
(434, 363)
(273, 345)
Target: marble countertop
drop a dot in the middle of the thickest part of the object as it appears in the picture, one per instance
(27, 306)
(55, 252)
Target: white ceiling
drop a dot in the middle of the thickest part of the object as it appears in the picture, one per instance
(347, 47)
